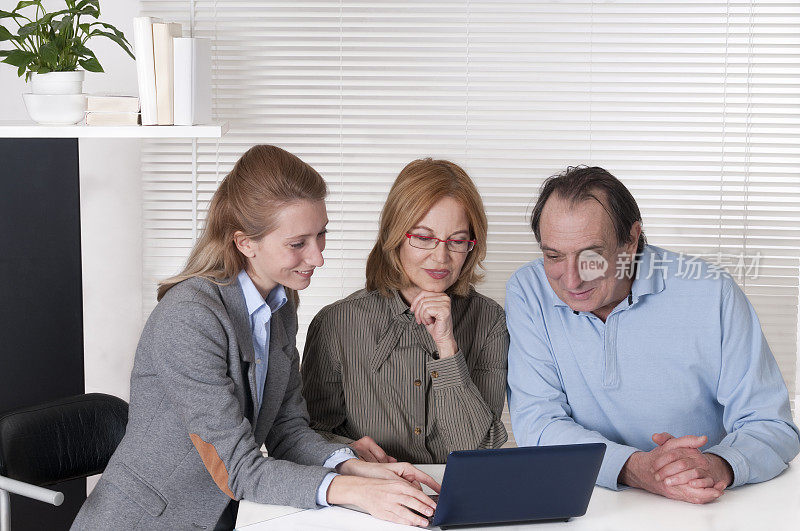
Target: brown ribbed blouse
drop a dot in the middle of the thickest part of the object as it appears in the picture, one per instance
(369, 369)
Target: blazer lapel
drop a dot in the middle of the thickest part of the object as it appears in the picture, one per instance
(279, 365)
(233, 298)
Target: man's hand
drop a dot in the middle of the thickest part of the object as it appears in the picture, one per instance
(695, 468)
(641, 468)
(433, 310)
(368, 450)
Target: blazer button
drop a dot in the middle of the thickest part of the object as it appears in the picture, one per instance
(435, 374)
(417, 383)
(417, 431)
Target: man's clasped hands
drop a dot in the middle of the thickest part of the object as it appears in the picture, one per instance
(677, 469)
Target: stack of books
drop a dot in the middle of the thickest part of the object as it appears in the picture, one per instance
(112, 110)
(174, 74)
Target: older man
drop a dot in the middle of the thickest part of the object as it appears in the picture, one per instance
(620, 342)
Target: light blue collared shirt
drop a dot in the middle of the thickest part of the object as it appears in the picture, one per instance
(261, 311)
(683, 354)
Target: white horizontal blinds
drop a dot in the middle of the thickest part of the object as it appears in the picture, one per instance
(168, 183)
(403, 96)
(528, 115)
(760, 199)
(690, 108)
(693, 105)
(334, 85)
(172, 211)
(278, 75)
(686, 103)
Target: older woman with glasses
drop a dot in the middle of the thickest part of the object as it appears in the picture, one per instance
(414, 366)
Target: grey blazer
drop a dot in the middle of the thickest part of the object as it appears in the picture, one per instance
(193, 437)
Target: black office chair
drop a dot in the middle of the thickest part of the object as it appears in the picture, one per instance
(65, 439)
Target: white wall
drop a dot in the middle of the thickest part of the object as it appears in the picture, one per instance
(111, 213)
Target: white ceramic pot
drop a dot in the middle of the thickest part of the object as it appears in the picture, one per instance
(58, 82)
(55, 109)
(56, 98)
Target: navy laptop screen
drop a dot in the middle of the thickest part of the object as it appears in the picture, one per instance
(518, 484)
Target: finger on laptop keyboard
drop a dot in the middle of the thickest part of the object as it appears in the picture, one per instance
(420, 497)
(418, 475)
(418, 507)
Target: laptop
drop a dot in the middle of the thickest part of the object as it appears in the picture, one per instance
(510, 485)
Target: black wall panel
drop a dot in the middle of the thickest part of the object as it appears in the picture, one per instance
(41, 312)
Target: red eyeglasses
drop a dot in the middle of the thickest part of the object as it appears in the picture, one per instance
(431, 242)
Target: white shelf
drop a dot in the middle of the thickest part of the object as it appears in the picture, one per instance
(33, 130)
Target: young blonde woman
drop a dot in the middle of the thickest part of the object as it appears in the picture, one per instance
(216, 376)
(414, 366)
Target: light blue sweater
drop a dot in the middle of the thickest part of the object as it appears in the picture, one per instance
(683, 354)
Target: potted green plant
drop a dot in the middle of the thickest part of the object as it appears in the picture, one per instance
(49, 48)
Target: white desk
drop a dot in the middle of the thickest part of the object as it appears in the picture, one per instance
(773, 506)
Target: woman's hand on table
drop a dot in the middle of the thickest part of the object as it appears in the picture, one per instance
(386, 490)
(387, 499)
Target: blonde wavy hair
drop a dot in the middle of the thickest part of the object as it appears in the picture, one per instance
(265, 179)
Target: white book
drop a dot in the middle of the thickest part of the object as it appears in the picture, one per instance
(112, 118)
(163, 33)
(192, 81)
(145, 67)
(108, 103)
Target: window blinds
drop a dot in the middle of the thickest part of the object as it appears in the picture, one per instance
(693, 105)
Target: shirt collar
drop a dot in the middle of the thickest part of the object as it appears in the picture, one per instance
(648, 279)
(396, 304)
(275, 299)
(650, 274)
(401, 317)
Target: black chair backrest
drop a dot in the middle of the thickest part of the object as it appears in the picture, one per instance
(65, 439)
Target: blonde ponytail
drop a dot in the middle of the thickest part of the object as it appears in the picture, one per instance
(263, 180)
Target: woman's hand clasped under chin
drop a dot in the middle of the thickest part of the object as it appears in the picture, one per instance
(432, 309)
(386, 490)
